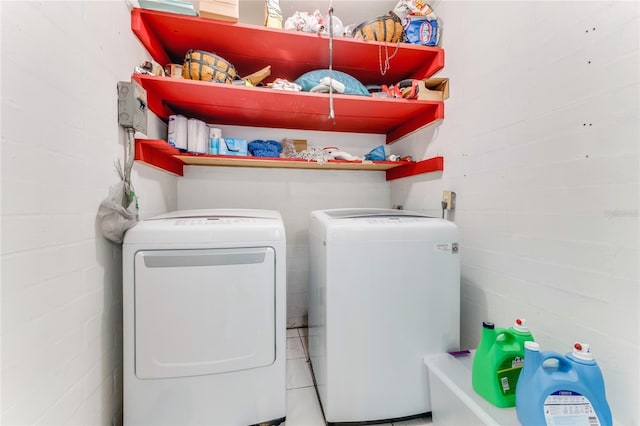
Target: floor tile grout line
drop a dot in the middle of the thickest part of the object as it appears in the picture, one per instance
(304, 351)
(308, 364)
(301, 387)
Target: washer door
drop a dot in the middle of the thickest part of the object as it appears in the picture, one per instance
(203, 312)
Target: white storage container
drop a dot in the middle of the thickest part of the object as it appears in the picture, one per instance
(453, 400)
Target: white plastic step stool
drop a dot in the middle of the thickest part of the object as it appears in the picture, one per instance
(453, 400)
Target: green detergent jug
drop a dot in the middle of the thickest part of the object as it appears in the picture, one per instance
(498, 361)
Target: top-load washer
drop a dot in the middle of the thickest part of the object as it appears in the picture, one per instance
(204, 319)
(384, 292)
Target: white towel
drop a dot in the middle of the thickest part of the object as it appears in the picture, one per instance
(197, 136)
(177, 136)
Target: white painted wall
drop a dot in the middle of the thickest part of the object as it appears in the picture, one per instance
(540, 142)
(295, 193)
(61, 280)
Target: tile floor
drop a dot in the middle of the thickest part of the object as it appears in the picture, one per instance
(303, 407)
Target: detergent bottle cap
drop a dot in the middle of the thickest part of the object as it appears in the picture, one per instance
(521, 325)
(532, 346)
(582, 351)
(489, 325)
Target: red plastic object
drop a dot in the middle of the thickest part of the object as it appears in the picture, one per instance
(249, 48)
(435, 164)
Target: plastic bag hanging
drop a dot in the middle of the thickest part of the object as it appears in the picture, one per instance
(119, 211)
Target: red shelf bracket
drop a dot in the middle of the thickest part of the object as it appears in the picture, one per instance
(158, 153)
(435, 164)
(148, 38)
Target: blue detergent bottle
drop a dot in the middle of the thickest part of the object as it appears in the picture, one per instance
(561, 390)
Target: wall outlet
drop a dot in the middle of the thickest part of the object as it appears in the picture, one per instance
(449, 200)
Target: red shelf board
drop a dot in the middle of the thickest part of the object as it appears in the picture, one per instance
(435, 164)
(158, 153)
(219, 103)
(249, 48)
(283, 163)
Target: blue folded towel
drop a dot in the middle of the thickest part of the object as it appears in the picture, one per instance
(269, 148)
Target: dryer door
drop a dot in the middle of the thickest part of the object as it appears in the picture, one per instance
(203, 311)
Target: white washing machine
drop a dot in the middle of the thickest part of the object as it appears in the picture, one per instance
(384, 292)
(204, 319)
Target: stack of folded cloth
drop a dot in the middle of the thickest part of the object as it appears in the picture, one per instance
(269, 148)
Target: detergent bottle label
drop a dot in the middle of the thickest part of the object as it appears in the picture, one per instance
(569, 408)
(508, 373)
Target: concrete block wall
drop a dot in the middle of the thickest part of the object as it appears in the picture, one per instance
(540, 140)
(61, 280)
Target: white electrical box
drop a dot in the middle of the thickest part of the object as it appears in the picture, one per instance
(132, 106)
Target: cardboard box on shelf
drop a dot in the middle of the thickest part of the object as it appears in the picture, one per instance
(225, 10)
(434, 89)
(173, 70)
(300, 144)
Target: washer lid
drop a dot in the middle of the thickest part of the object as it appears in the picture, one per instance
(369, 213)
(220, 213)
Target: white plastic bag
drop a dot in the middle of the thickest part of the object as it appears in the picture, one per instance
(313, 23)
(119, 211)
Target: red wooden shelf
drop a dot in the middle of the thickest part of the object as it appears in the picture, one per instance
(249, 48)
(290, 54)
(160, 154)
(220, 103)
